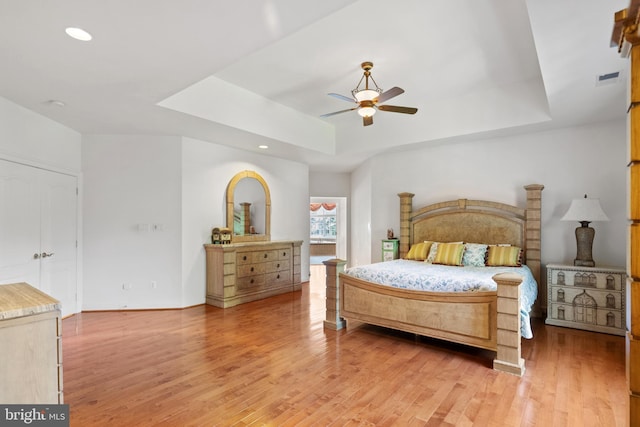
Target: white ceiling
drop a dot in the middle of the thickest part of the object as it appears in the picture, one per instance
(244, 73)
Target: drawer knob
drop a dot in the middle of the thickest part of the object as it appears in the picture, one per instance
(278, 265)
(278, 276)
(251, 268)
(251, 281)
(244, 258)
(265, 255)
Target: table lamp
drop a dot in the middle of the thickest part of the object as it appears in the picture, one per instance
(585, 211)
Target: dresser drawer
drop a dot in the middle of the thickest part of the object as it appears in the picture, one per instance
(251, 269)
(243, 258)
(281, 265)
(250, 282)
(278, 278)
(264, 256)
(586, 279)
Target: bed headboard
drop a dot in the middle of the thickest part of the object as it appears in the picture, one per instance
(476, 221)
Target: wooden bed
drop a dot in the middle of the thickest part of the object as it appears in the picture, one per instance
(489, 320)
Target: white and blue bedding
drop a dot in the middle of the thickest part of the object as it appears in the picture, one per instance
(418, 275)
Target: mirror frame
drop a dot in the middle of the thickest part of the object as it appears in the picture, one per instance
(267, 211)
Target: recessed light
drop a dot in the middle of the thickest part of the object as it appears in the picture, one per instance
(78, 34)
(263, 147)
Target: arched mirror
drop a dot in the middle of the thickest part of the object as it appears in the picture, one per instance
(249, 208)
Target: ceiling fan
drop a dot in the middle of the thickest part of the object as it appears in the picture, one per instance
(368, 99)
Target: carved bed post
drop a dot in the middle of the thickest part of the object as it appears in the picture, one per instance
(405, 222)
(508, 354)
(333, 269)
(533, 218)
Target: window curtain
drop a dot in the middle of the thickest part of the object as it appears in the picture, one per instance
(327, 206)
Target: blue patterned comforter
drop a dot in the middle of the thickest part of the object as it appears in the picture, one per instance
(418, 275)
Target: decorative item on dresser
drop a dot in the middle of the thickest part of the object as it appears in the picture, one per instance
(590, 298)
(243, 272)
(585, 211)
(31, 337)
(390, 248)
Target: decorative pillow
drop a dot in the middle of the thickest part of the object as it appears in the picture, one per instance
(432, 252)
(449, 254)
(474, 254)
(508, 256)
(419, 251)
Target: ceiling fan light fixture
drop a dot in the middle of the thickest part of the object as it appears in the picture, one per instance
(365, 95)
(367, 98)
(366, 111)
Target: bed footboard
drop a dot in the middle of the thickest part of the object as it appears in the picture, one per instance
(489, 320)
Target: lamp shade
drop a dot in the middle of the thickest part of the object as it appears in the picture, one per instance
(366, 111)
(585, 210)
(366, 95)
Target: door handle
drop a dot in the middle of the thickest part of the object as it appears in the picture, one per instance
(44, 254)
(36, 255)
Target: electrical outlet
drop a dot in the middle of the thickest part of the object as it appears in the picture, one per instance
(154, 284)
(126, 286)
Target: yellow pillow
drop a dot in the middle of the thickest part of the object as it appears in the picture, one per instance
(449, 254)
(419, 251)
(508, 256)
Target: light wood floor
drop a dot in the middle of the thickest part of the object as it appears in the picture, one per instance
(272, 363)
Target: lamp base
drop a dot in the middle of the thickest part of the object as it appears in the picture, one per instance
(584, 240)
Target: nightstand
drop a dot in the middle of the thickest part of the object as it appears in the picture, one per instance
(390, 249)
(590, 298)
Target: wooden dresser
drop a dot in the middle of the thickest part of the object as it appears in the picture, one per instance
(243, 272)
(31, 343)
(590, 298)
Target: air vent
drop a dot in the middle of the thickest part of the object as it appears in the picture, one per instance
(609, 78)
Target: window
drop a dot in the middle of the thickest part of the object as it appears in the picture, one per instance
(323, 222)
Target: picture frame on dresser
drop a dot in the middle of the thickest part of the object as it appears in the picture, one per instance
(587, 298)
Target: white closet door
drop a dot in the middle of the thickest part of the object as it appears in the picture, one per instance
(38, 231)
(58, 239)
(19, 224)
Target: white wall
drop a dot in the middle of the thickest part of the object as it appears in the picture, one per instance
(327, 184)
(36, 140)
(132, 227)
(207, 169)
(568, 162)
(362, 243)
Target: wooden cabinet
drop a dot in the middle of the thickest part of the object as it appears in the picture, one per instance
(31, 343)
(390, 249)
(243, 272)
(590, 298)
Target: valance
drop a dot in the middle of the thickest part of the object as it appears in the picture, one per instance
(327, 206)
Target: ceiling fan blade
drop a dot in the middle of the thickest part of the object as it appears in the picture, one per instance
(394, 91)
(396, 109)
(342, 97)
(338, 112)
(367, 120)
